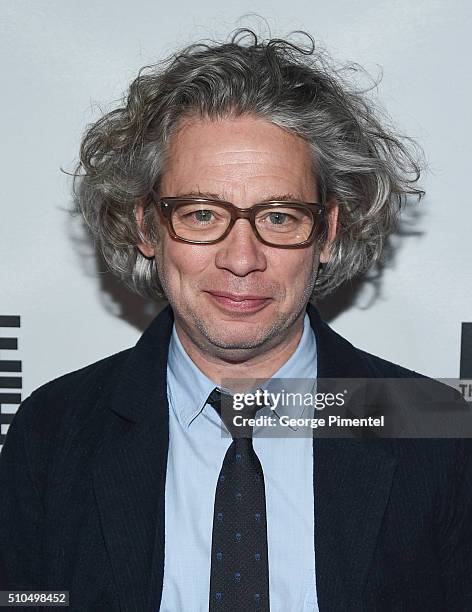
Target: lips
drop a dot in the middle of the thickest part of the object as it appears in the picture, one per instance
(238, 302)
(238, 297)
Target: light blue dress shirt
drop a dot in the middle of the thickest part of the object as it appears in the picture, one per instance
(196, 452)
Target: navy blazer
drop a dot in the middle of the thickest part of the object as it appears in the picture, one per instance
(82, 482)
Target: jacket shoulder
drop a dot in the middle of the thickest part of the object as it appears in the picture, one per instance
(382, 368)
(89, 379)
(339, 358)
(69, 399)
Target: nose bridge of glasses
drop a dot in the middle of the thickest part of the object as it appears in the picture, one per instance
(241, 213)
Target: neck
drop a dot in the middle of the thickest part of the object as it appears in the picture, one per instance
(261, 364)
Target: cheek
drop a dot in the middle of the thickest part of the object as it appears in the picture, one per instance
(294, 268)
(184, 260)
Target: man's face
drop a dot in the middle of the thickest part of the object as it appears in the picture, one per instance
(244, 160)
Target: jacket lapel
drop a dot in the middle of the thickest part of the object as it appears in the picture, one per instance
(129, 477)
(352, 481)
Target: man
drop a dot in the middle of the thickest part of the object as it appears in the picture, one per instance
(240, 181)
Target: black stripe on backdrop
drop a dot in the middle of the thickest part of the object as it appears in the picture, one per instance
(466, 351)
(9, 321)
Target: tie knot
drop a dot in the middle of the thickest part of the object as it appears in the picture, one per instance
(224, 405)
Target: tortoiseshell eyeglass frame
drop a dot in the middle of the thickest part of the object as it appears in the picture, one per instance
(317, 211)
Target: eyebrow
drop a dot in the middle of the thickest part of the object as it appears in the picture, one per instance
(281, 197)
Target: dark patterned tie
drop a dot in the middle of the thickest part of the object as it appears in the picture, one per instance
(239, 579)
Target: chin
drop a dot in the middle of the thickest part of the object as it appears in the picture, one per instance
(238, 338)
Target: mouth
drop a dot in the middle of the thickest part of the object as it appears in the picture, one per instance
(238, 303)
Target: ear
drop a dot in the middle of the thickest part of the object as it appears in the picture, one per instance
(145, 247)
(333, 209)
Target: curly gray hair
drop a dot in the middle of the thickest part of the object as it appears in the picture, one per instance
(359, 161)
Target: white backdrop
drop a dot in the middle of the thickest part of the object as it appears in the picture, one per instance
(63, 60)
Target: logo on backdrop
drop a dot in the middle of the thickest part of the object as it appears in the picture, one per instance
(10, 373)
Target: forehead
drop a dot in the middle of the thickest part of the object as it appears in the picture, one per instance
(236, 154)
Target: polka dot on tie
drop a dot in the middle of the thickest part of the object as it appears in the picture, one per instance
(257, 516)
(218, 596)
(238, 495)
(238, 457)
(237, 536)
(237, 576)
(257, 556)
(222, 477)
(219, 556)
(219, 516)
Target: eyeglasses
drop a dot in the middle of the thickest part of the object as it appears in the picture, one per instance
(287, 224)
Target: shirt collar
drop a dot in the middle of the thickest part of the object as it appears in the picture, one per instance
(188, 387)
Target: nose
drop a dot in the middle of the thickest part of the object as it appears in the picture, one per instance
(241, 252)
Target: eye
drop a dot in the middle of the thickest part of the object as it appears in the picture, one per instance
(203, 216)
(278, 218)
(197, 215)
